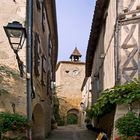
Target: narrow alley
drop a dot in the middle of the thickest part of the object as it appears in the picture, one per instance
(71, 132)
(67, 64)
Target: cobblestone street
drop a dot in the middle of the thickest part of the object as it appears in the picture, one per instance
(71, 132)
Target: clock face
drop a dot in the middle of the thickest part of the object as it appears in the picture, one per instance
(72, 72)
(75, 72)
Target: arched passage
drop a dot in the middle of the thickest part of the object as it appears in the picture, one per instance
(38, 129)
(72, 116)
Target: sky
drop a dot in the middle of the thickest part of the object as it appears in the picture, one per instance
(74, 19)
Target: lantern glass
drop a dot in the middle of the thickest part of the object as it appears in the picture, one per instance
(14, 33)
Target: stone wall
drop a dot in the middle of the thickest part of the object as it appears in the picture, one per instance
(41, 72)
(43, 55)
(12, 87)
(10, 11)
(69, 78)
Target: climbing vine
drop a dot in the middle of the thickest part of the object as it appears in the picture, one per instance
(58, 119)
(121, 94)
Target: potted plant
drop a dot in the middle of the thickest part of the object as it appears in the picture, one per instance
(128, 126)
(13, 125)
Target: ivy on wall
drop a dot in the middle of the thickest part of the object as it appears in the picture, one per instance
(121, 94)
(5, 70)
(58, 119)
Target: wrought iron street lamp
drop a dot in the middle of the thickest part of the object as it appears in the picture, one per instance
(16, 35)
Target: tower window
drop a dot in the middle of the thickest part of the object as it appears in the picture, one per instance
(67, 71)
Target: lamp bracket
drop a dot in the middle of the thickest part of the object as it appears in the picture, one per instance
(28, 75)
(20, 63)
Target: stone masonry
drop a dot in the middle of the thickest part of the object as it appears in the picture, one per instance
(69, 78)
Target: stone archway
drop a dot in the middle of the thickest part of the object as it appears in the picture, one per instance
(38, 130)
(73, 116)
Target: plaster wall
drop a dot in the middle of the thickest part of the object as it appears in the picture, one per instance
(86, 100)
(108, 66)
(86, 93)
(103, 72)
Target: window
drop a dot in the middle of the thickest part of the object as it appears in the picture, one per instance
(37, 52)
(50, 48)
(44, 71)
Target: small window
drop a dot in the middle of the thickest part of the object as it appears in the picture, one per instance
(37, 51)
(44, 71)
(67, 71)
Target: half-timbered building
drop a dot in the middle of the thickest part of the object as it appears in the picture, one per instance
(113, 53)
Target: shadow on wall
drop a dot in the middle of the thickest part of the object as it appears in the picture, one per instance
(38, 123)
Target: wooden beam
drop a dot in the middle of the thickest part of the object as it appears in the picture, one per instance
(129, 36)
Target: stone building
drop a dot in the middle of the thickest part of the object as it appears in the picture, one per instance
(69, 79)
(43, 64)
(86, 99)
(113, 49)
(45, 45)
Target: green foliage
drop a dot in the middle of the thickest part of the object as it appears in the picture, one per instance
(128, 125)
(1, 79)
(13, 122)
(122, 94)
(72, 119)
(9, 72)
(3, 91)
(59, 120)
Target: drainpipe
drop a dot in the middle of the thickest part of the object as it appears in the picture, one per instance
(116, 47)
(29, 19)
(116, 59)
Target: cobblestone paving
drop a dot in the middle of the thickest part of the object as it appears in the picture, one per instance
(71, 133)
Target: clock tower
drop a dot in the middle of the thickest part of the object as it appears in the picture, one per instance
(69, 80)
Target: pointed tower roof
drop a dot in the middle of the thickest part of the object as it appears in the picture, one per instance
(75, 56)
(75, 53)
